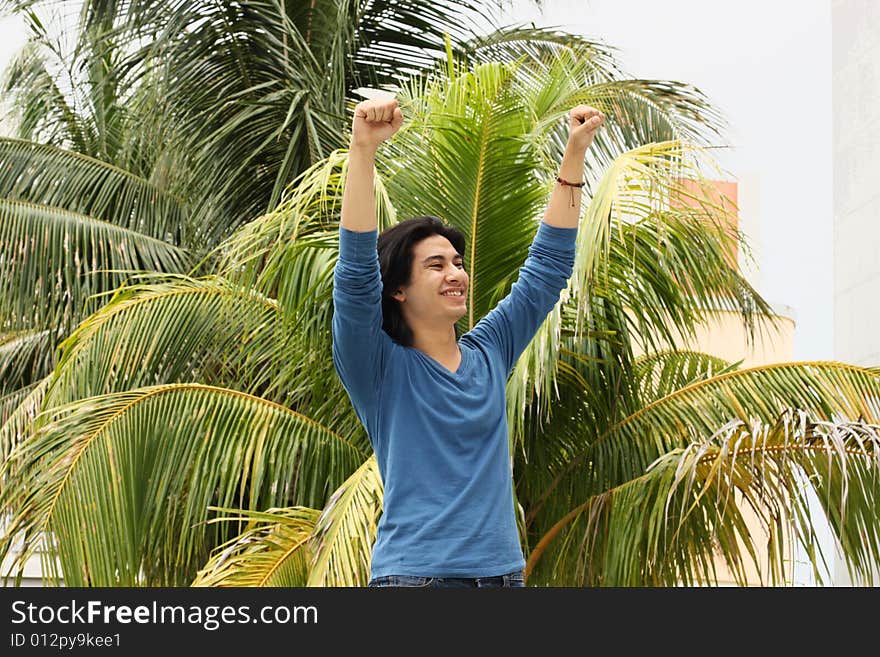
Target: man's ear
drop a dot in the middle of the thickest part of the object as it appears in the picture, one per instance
(400, 295)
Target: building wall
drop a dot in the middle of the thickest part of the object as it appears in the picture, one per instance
(856, 155)
(855, 70)
(724, 335)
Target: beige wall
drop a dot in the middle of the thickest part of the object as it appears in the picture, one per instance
(724, 335)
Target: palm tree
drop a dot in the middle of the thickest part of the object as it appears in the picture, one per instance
(192, 429)
(154, 130)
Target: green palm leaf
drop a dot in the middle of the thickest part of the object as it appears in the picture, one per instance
(18, 410)
(47, 175)
(299, 547)
(346, 529)
(25, 356)
(631, 280)
(283, 70)
(829, 392)
(739, 498)
(61, 258)
(262, 252)
(43, 110)
(210, 331)
(124, 482)
(662, 373)
(26, 360)
(176, 329)
(274, 551)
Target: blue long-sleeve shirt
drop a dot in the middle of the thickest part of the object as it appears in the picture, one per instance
(441, 437)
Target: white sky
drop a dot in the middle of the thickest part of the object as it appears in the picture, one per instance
(766, 65)
(12, 36)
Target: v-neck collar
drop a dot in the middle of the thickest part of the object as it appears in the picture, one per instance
(462, 365)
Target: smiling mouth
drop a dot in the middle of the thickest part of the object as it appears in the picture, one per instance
(453, 293)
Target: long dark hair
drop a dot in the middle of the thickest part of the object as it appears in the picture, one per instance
(395, 262)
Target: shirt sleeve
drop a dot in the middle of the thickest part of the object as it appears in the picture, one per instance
(511, 325)
(360, 346)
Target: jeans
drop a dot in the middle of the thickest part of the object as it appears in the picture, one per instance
(510, 580)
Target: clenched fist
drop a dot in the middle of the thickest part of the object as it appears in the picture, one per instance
(375, 121)
(583, 122)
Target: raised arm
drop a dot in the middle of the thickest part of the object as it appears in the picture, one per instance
(374, 122)
(563, 209)
(360, 347)
(511, 325)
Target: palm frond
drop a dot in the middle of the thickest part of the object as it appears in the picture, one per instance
(520, 42)
(282, 108)
(18, 410)
(642, 183)
(123, 483)
(346, 529)
(61, 258)
(261, 252)
(647, 111)
(739, 498)
(46, 175)
(304, 547)
(25, 357)
(632, 277)
(42, 111)
(174, 329)
(410, 36)
(212, 331)
(830, 392)
(274, 550)
(659, 374)
(649, 276)
(558, 71)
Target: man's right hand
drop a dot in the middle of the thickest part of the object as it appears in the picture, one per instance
(375, 121)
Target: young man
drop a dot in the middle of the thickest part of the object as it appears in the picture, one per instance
(434, 404)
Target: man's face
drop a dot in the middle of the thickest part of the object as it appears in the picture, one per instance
(437, 290)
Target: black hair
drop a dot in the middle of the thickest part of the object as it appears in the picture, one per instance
(395, 263)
